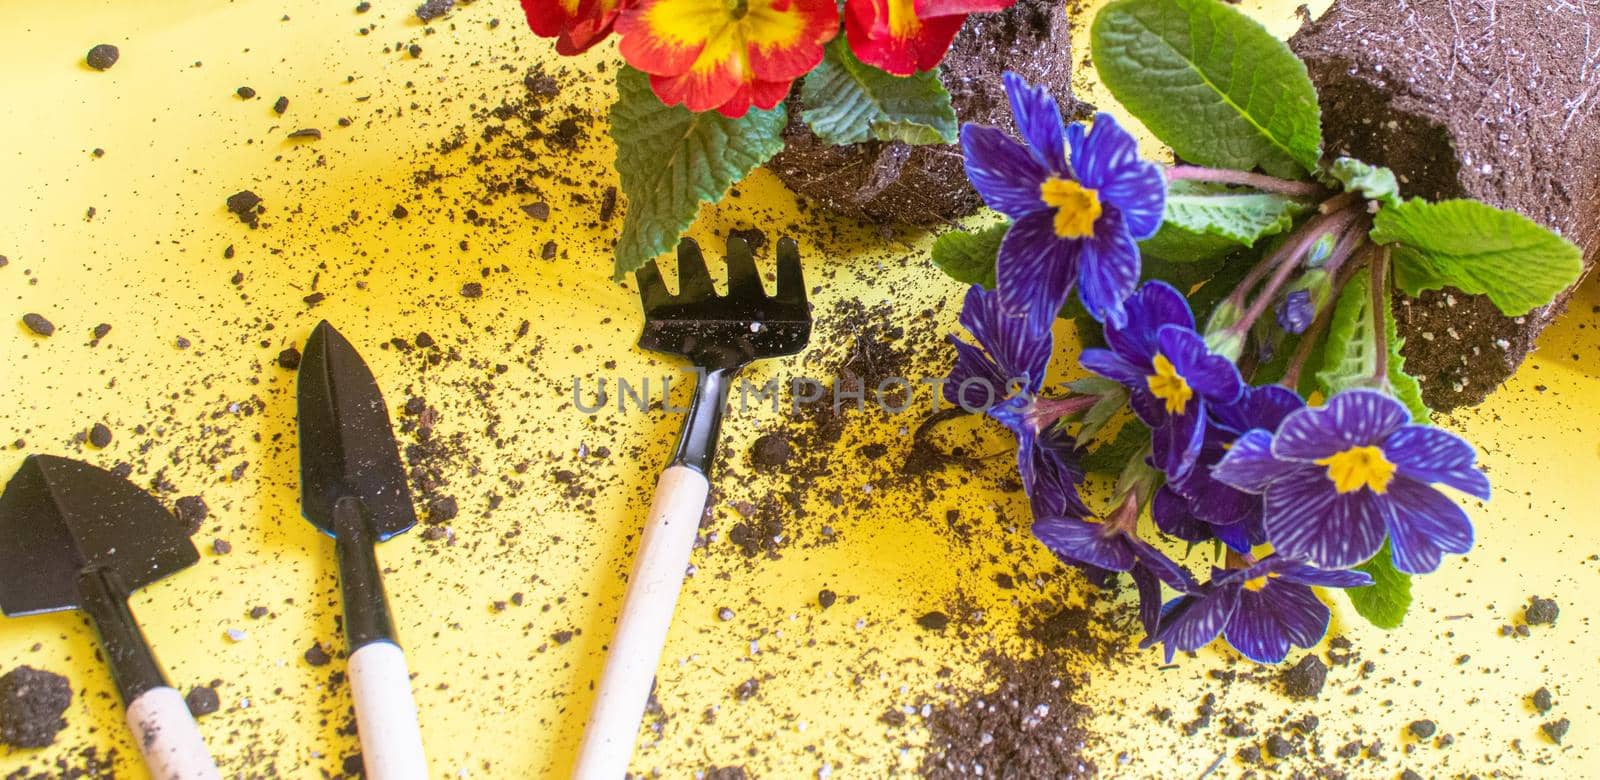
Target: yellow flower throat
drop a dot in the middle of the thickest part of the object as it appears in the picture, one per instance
(1257, 583)
(1358, 466)
(1077, 207)
(1168, 385)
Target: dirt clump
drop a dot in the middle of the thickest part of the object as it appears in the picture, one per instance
(32, 702)
(1506, 114)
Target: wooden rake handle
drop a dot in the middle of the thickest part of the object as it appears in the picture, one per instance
(658, 571)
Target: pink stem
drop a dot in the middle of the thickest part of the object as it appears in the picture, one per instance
(1294, 189)
(1287, 258)
(1380, 299)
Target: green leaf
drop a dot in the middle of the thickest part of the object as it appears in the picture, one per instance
(1350, 357)
(671, 160)
(1478, 249)
(1205, 220)
(1111, 457)
(1374, 182)
(1383, 603)
(1350, 354)
(969, 257)
(1113, 397)
(848, 101)
(1211, 83)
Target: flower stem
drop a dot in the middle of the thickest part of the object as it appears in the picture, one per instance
(1308, 340)
(1294, 189)
(1380, 299)
(1336, 202)
(1297, 243)
(1352, 240)
(1287, 259)
(1047, 411)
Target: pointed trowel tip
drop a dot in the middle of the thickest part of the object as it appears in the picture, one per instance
(323, 347)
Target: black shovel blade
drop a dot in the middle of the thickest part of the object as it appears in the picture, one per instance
(347, 448)
(61, 517)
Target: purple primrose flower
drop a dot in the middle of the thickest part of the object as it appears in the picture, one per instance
(1337, 479)
(1262, 609)
(1114, 546)
(1080, 202)
(1295, 312)
(1171, 375)
(1198, 507)
(1003, 379)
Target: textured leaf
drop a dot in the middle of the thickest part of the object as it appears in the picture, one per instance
(1478, 249)
(1113, 398)
(1374, 182)
(848, 101)
(1350, 354)
(969, 257)
(671, 160)
(1205, 220)
(1111, 457)
(1211, 83)
(1385, 602)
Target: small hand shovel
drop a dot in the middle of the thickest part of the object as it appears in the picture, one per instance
(719, 335)
(353, 488)
(73, 536)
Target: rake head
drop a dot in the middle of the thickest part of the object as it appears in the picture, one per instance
(730, 331)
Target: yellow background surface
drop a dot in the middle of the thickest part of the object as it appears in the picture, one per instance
(498, 696)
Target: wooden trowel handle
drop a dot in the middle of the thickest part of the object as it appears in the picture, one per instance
(658, 571)
(386, 714)
(168, 738)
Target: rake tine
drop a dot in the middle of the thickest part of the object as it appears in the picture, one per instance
(744, 281)
(694, 281)
(652, 291)
(791, 283)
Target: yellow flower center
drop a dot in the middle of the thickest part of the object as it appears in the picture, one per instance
(1257, 583)
(1168, 385)
(1359, 466)
(1077, 207)
(903, 21)
(725, 31)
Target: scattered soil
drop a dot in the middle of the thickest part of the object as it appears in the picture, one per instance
(1542, 700)
(32, 702)
(102, 56)
(924, 185)
(203, 700)
(316, 656)
(1541, 612)
(771, 450)
(1305, 679)
(433, 9)
(1026, 725)
(1466, 99)
(38, 324)
(192, 513)
(289, 358)
(1556, 729)
(246, 205)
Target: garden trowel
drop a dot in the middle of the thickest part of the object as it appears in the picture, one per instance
(353, 488)
(73, 536)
